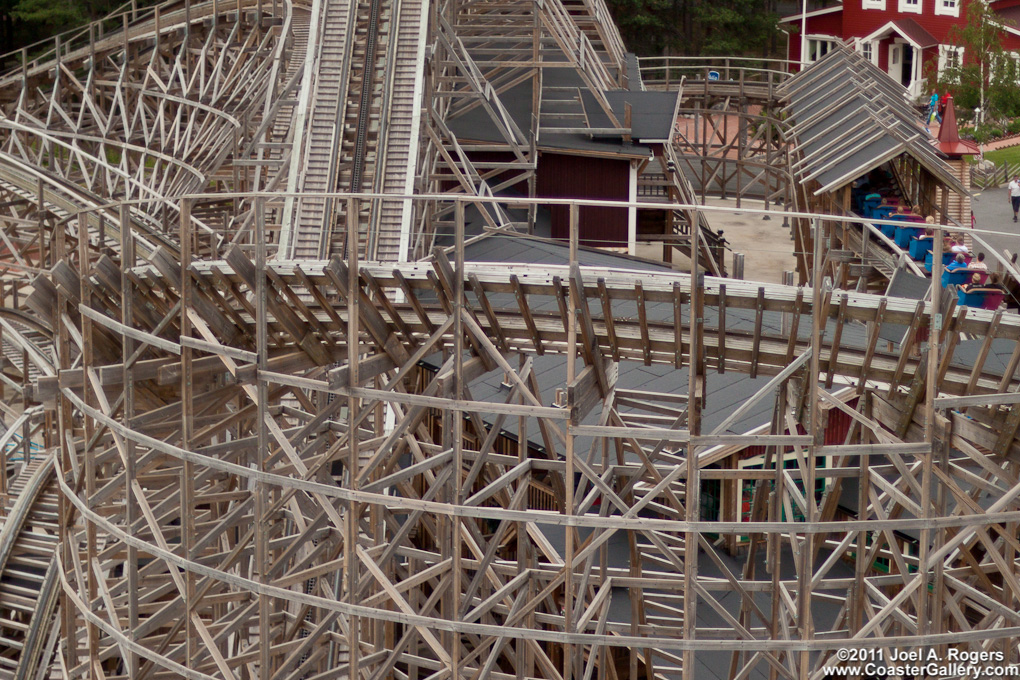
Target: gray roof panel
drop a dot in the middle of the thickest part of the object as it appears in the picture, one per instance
(843, 92)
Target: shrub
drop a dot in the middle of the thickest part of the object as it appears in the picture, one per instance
(986, 133)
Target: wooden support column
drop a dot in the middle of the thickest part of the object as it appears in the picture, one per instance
(40, 213)
(940, 456)
(458, 427)
(741, 139)
(353, 410)
(805, 572)
(577, 300)
(24, 372)
(90, 470)
(262, 501)
(930, 435)
(65, 427)
(856, 605)
(692, 495)
(127, 255)
(187, 475)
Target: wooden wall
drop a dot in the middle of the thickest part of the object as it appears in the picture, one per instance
(567, 176)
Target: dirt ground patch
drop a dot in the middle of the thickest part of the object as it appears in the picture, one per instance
(765, 244)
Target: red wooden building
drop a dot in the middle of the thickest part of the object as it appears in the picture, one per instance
(902, 37)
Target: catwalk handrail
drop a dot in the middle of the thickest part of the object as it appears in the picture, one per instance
(670, 71)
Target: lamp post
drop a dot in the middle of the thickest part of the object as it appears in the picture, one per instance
(803, 34)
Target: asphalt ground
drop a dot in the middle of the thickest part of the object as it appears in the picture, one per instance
(994, 221)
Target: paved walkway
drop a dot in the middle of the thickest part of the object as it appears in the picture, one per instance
(993, 212)
(990, 146)
(1000, 143)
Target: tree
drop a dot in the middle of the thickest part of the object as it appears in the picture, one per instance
(648, 27)
(697, 27)
(50, 16)
(25, 22)
(986, 73)
(736, 27)
(1004, 94)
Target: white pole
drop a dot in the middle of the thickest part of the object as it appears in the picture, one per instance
(803, 34)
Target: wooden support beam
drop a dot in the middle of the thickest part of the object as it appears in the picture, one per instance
(875, 329)
(759, 313)
(837, 337)
(643, 323)
(529, 321)
(607, 318)
(722, 329)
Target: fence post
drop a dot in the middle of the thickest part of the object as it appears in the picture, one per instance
(738, 266)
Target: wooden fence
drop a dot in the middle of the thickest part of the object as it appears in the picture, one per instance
(987, 179)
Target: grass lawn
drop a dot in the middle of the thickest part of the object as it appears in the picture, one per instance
(1011, 154)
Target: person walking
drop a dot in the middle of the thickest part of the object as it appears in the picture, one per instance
(1014, 195)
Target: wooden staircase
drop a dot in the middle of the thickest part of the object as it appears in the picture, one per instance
(305, 238)
(391, 220)
(29, 537)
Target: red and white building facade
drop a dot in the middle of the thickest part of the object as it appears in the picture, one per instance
(901, 37)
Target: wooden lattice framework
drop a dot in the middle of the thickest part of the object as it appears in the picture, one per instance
(227, 464)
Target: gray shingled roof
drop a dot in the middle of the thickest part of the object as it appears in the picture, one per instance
(651, 114)
(726, 392)
(849, 117)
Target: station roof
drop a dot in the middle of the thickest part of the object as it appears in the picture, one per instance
(949, 134)
(568, 103)
(916, 34)
(848, 117)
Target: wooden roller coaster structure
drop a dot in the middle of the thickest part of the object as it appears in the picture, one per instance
(224, 456)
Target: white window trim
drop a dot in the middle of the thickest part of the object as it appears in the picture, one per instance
(993, 64)
(832, 40)
(859, 46)
(873, 4)
(942, 10)
(907, 8)
(944, 52)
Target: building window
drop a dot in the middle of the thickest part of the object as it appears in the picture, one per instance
(867, 50)
(947, 7)
(950, 58)
(1005, 69)
(912, 6)
(873, 4)
(818, 48)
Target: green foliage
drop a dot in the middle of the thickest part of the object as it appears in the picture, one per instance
(25, 22)
(1003, 94)
(695, 27)
(985, 133)
(56, 15)
(1013, 128)
(987, 77)
(735, 27)
(648, 27)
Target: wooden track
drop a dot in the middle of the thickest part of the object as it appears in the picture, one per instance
(271, 461)
(363, 110)
(29, 538)
(643, 308)
(327, 94)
